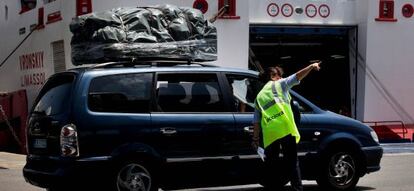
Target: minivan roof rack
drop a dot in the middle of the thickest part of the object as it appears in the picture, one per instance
(152, 63)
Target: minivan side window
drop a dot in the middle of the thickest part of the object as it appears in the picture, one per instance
(244, 90)
(123, 93)
(302, 107)
(189, 93)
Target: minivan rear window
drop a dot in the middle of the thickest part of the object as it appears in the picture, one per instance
(54, 97)
(123, 93)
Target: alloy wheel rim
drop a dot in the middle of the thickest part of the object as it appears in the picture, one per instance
(341, 169)
(133, 177)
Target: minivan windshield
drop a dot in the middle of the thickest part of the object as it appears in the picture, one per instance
(53, 99)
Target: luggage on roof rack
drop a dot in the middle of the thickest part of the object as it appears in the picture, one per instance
(161, 32)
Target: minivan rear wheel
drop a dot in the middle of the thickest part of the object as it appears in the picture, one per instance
(340, 171)
(134, 176)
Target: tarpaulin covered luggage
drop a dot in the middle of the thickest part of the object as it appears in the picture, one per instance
(161, 32)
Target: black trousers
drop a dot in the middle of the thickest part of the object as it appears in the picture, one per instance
(279, 169)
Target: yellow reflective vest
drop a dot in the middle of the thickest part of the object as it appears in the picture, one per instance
(277, 116)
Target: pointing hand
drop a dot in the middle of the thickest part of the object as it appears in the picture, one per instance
(316, 66)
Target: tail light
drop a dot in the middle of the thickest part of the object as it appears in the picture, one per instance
(69, 145)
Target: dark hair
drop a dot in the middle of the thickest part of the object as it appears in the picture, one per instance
(273, 71)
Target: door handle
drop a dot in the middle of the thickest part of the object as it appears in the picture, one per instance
(248, 129)
(168, 131)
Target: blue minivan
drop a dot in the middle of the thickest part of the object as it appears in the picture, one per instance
(149, 125)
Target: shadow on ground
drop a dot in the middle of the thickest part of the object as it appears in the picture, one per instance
(305, 188)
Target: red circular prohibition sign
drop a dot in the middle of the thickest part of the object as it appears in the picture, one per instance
(327, 9)
(407, 10)
(307, 8)
(270, 13)
(290, 7)
(201, 5)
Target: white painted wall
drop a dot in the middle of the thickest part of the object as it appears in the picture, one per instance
(385, 47)
(10, 73)
(362, 10)
(390, 56)
(39, 41)
(342, 12)
(232, 36)
(3, 23)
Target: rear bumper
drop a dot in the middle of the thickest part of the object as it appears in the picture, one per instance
(47, 172)
(373, 157)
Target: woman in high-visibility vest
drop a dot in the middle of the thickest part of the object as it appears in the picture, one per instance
(274, 116)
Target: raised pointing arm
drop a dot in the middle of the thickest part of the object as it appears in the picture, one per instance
(305, 71)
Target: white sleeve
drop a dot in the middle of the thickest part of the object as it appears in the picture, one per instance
(290, 81)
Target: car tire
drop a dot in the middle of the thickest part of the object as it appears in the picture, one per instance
(134, 175)
(340, 171)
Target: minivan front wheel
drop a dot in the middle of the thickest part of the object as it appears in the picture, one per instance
(133, 176)
(340, 171)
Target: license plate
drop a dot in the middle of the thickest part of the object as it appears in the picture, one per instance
(40, 143)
